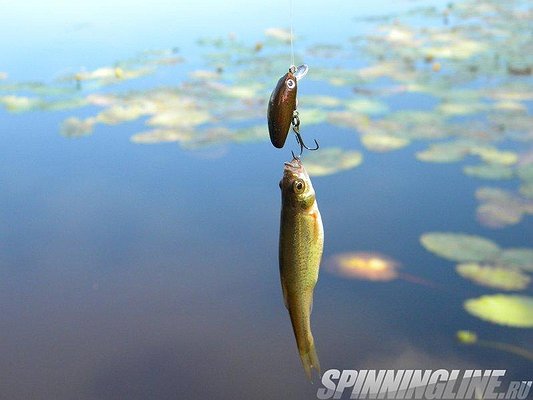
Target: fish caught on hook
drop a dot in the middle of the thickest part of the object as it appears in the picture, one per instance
(281, 113)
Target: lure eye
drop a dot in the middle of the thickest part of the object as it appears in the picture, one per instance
(291, 84)
(298, 186)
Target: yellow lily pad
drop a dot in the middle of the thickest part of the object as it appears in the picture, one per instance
(466, 337)
(509, 310)
(362, 265)
(495, 277)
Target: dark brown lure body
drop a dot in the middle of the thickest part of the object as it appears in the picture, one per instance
(281, 107)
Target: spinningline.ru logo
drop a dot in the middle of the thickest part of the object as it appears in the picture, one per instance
(420, 384)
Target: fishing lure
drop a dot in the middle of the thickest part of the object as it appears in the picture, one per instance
(282, 112)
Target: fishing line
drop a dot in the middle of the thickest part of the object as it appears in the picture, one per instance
(291, 6)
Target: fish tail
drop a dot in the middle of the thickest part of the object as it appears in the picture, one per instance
(300, 313)
(310, 361)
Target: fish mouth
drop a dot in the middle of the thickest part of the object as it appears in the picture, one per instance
(295, 165)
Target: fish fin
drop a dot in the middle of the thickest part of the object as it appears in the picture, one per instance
(310, 362)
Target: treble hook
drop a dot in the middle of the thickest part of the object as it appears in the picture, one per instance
(299, 139)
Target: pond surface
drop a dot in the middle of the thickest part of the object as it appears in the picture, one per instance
(140, 200)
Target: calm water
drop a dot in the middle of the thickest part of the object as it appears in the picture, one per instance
(132, 271)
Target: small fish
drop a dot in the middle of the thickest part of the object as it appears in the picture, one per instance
(282, 105)
(301, 241)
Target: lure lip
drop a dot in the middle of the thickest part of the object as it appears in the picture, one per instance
(300, 71)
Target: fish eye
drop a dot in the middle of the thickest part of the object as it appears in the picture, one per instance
(291, 84)
(298, 186)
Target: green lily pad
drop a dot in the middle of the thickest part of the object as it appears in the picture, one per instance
(383, 143)
(312, 116)
(509, 310)
(369, 107)
(318, 101)
(444, 153)
(75, 127)
(494, 156)
(526, 189)
(525, 172)
(494, 276)
(489, 171)
(161, 136)
(466, 337)
(499, 215)
(459, 246)
(331, 160)
(517, 257)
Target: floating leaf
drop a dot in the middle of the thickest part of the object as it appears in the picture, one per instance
(331, 160)
(369, 107)
(452, 109)
(489, 171)
(525, 172)
(494, 276)
(466, 337)
(161, 136)
(312, 116)
(383, 143)
(498, 215)
(319, 101)
(459, 247)
(501, 309)
(361, 265)
(280, 34)
(494, 156)
(444, 152)
(19, 103)
(526, 189)
(517, 257)
(74, 127)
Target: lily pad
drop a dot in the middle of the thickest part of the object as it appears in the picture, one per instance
(494, 276)
(443, 153)
(160, 136)
(459, 246)
(75, 127)
(499, 215)
(517, 257)
(362, 265)
(489, 171)
(509, 310)
(526, 189)
(369, 107)
(383, 143)
(331, 160)
(494, 156)
(466, 337)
